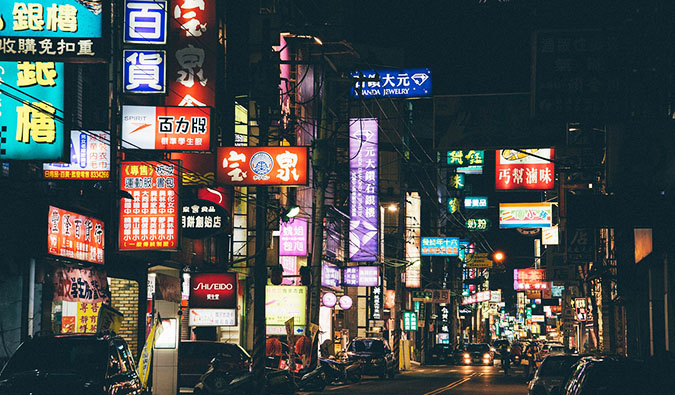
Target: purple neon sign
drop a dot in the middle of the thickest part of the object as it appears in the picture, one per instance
(293, 237)
(330, 275)
(364, 209)
(361, 276)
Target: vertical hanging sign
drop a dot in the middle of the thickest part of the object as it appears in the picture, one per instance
(363, 224)
(192, 56)
(413, 235)
(149, 220)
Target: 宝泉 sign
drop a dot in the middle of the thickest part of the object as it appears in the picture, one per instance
(524, 169)
(525, 215)
(440, 246)
(31, 127)
(76, 236)
(409, 321)
(526, 279)
(476, 202)
(466, 158)
(363, 186)
(166, 128)
(330, 275)
(150, 220)
(361, 276)
(213, 317)
(89, 158)
(144, 71)
(293, 237)
(262, 165)
(145, 21)
(213, 290)
(283, 302)
(52, 30)
(392, 83)
(202, 218)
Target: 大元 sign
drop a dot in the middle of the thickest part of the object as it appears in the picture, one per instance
(213, 290)
(89, 158)
(166, 128)
(262, 165)
(392, 83)
(525, 215)
(76, 236)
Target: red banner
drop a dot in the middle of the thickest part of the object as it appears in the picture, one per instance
(262, 165)
(76, 236)
(73, 284)
(192, 74)
(524, 169)
(149, 221)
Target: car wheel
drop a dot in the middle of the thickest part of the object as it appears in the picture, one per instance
(392, 373)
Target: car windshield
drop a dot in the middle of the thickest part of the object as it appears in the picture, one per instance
(367, 345)
(478, 348)
(557, 366)
(84, 356)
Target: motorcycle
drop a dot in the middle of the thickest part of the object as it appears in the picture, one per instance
(308, 379)
(218, 381)
(506, 362)
(516, 359)
(342, 371)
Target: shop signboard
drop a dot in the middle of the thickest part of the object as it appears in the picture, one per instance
(145, 21)
(144, 71)
(361, 276)
(240, 166)
(457, 181)
(409, 321)
(525, 215)
(363, 186)
(75, 284)
(293, 237)
(477, 224)
(475, 170)
(75, 236)
(440, 295)
(193, 38)
(476, 202)
(413, 248)
(89, 158)
(530, 279)
(213, 290)
(549, 236)
(166, 128)
(478, 260)
(466, 158)
(283, 302)
(422, 296)
(391, 83)
(330, 275)
(213, 317)
(389, 299)
(440, 246)
(524, 169)
(478, 297)
(202, 218)
(31, 119)
(453, 205)
(290, 268)
(376, 303)
(149, 221)
(56, 30)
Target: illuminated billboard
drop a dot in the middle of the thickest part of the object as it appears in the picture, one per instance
(524, 169)
(240, 166)
(361, 276)
(413, 235)
(440, 246)
(527, 279)
(525, 215)
(213, 290)
(293, 237)
(363, 186)
(391, 83)
(144, 71)
(283, 302)
(166, 128)
(89, 158)
(145, 21)
(75, 236)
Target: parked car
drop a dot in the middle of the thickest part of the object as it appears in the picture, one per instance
(604, 375)
(477, 354)
(551, 348)
(194, 357)
(375, 355)
(552, 374)
(71, 364)
(440, 353)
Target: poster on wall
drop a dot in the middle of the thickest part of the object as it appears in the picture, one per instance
(363, 186)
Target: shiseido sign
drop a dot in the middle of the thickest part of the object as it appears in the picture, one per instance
(213, 290)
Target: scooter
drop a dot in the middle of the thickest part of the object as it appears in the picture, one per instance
(516, 359)
(218, 381)
(342, 371)
(308, 379)
(506, 363)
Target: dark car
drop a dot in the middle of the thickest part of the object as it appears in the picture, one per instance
(375, 355)
(477, 354)
(71, 364)
(194, 358)
(604, 375)
(552, 374)
(440, 353)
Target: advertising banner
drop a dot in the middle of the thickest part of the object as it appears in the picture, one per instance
(166, 128)
(440, 246)
(149, 221)
(361, 276)
(62, 30)
(213, 290)
(108, 319)
(392, 83)
(283, 302)
(31, 119)
(363, 186)
(75, 236)
(241, 166)
(409, 321)
(478, 297)
(413, 249)
(202, 218)
(525, 215)
(526, 279)
(72, 284)
(478, 260)
(213, 317)
(293, 237)
(330, 275)
(89, 158)
(193, 51)
(549, 236)
(524, 169)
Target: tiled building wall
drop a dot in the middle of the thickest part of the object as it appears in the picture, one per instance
(124, 295)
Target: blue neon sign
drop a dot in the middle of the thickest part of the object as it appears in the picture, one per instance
(51, 18)
(440, 246)
(392, 83)
(144, 71)
(145, 21)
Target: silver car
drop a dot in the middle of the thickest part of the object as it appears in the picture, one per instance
(550, 378)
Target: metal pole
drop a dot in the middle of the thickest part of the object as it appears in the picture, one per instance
(665, 301)
(31, 296)
(651, 312)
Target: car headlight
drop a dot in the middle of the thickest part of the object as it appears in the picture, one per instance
(486, 356)
(466, 355)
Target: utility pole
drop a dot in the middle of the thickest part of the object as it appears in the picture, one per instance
(398, 287)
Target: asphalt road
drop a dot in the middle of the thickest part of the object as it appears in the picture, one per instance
(439, 379)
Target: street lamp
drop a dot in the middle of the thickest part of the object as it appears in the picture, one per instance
(289, 213)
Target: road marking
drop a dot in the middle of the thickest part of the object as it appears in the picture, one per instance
(338, 387)
(436, 370)
(450, 386)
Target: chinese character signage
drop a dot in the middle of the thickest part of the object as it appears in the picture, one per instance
(193, 50)
(283, 302)
(144, 71)
(363, 178)
(477, 224)
(409, 321)
(72, 284)
(202, 218)
(51, 29)
(361, 276)
(525, 215)
(478, 297)
(290, 268)
(149, 220)
(166, 128)
(524, 169)
(453, 205)
(456, 181)
(526, 279)
(213, 317)
(476, 202)
(76, 236)
(145, 21)
(213, 290)
(392, 83)
(293, 237)
(376, 303)
(241, 166)
(31, 127)
(440, 246)
(466, 158)
(330, 275)
(89, 158)
(413, 253)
